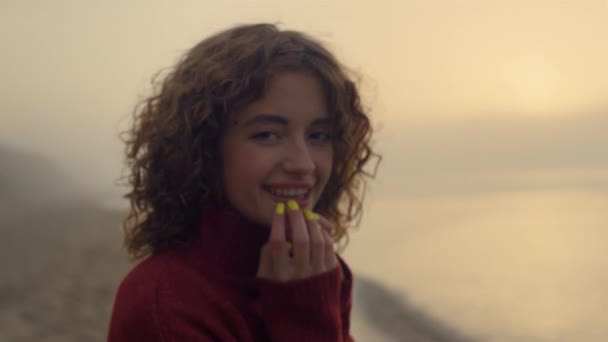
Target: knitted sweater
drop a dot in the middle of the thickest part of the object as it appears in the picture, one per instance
(206, 290)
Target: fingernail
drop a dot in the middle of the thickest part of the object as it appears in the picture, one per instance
(289, 245)
(310, 215)
(280, 208)
(293, 205)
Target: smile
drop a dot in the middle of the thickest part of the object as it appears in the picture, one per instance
(293, 192)
(301, 195)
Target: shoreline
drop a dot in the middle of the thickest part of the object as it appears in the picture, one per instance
(67, 259)
(397, 318)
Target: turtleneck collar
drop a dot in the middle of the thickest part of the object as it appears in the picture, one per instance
(227, 244)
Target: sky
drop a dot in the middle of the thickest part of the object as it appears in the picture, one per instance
(467, 97)
(495, 90)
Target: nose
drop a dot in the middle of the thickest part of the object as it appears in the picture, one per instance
(298, 158)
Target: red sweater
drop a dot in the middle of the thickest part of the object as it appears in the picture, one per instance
(207, 290)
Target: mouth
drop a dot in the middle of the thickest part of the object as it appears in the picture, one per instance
(282, 194)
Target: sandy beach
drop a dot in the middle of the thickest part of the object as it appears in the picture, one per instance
(60, 266)
(61, 263)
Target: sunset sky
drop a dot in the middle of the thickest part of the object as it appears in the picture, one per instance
(491, 115)
(454, 86)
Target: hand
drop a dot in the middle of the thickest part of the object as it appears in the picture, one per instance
(313, 249)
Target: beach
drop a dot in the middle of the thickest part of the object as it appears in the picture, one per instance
(62, 262)
(60, 266)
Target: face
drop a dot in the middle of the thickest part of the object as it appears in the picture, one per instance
(279, 147)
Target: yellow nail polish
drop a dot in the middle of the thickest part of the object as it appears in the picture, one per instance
(310, 215)
(280, 208)
(289, 245)
(293, 205)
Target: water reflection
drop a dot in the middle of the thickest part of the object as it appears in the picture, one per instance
(519, 266)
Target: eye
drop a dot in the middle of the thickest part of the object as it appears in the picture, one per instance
(265, 136)
(320, 136)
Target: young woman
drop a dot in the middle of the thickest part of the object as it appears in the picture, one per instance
(247, 167)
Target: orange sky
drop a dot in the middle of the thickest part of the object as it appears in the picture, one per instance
(81, 68)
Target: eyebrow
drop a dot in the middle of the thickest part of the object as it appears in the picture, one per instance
(277, 119)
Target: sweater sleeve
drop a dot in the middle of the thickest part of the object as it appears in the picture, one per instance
(311, 309)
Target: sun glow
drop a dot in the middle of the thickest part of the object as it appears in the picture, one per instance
(533, 85)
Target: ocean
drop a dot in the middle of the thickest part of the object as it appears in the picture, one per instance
(525, 265)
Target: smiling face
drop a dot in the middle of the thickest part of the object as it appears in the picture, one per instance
(278, 147)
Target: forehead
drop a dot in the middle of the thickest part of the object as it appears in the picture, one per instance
(297, 96)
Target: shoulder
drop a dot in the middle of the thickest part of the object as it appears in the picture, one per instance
(160, 276)
(154, 292)
(140, 285)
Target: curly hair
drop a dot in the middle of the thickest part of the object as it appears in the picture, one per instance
(172, 148)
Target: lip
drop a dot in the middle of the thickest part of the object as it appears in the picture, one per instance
(303, 201)
(290, 185)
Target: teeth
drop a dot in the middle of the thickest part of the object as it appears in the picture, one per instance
(288, 192)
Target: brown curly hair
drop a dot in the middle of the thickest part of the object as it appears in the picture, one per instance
(172, 149)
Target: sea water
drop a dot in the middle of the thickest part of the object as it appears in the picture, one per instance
(526, 265)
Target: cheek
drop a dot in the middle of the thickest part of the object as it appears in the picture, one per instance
(325, 164)
(234, 181)
(251, 167)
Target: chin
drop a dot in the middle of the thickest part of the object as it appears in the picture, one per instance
(263, 218)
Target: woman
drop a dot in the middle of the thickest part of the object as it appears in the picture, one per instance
(246, 169)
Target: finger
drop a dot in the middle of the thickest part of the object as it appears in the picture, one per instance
(265, 266)
(277, 229)
(317, 242)
(325, 224)
(301, 241)
(330, 259)
(277, 244)
(330, 253)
